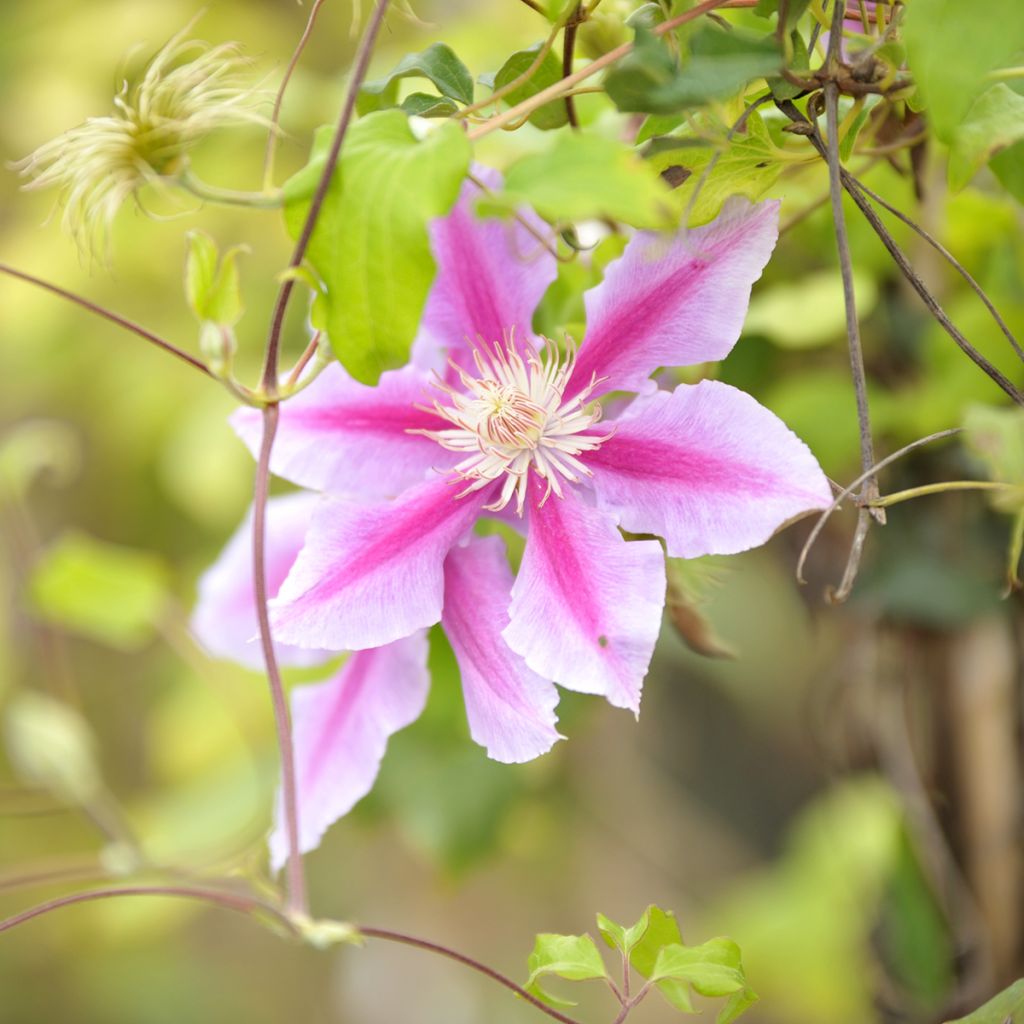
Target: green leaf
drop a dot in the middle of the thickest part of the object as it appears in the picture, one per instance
(620, 938)
(551, 115)
(574, 957)
(1005, 1008)
(109, 593)
(1008, 167)
(738, 1004)
(951, 47)
(437, 63)
(583, 176)
(662, 930)
(37, 448)
(648, 81)
(995, 121)
(51, 745)
(748, 166)
(689, 582)
(794, 10)
(211, 282)
(713, 969)
(422, 104)
(799, 61)
(371, 246)
(850, 138)
(996, 437)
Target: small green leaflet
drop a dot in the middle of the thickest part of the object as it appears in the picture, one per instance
(438, 64)
(574, 957)
(994, 121)
(649, 81)
(211, 282)
(794, 10)
(371, 246)
(1005, 1008)
(551, 115)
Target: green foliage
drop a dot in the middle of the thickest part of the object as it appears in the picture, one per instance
(952, 46)
(794, 10)
(996, 436)
(52, 746)
(439, 65)
(1005, 1008)
(371, 245)
(994, 121)
(583, 176)
(747, 165)
(574, 957)
(111, 594)
(649, 80)
(551, 115)
(34, 448)
(211, 282)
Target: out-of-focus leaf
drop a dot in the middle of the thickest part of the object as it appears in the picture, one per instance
(995, 121)
(747, 166)
(808, 313)
(1008, 167)
(794, 10)
(438, 64)
(370, 245)
(51, 745)
(574, 957)
(1005, 1008)
(799, 61)
(996, 436)
(551, 115)
(688, 582)
(648, 80)
(33, 448)
(109, 593)
(849, 140)
(951, 47)
(586, 176)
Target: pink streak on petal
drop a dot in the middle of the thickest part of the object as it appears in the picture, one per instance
(586, 605)
(668, 302)
(372, 574)
(511, 709)
(224, 620)
(491, 274)
(348, 439)
(341, 729)
(707, 468)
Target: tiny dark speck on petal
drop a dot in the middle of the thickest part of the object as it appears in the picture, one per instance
(602, 641)
(675, 175)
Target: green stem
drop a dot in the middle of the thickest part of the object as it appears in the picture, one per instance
(948, 485)
(269, 200)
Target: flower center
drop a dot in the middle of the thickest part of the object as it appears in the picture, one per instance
(512, 418)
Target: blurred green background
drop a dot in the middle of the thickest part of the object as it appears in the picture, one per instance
(842, 796)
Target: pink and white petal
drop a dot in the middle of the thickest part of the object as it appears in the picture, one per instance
(674, 302)
(224, 620)
(586, 605)
(341, 729)
(491, 274)
(370, 574)
(511, 709)
(344, 437)
(707, 468)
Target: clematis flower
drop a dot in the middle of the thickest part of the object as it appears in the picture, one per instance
(511, 427)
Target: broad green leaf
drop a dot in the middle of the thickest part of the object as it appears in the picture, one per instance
(720, 63)
(51, 745)
(574, 957)
(995, 121)
(551, 115)
(584, 176)
(109, 593)
(371, 245)
(996, 437)
(1005, 1008)
(748, 166)
(662, 930)
(713, 968)
(437, 63)
(620, 938)
(819, 297)
(211, 282)
(951, 47)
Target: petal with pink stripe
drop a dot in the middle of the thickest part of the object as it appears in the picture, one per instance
(370, 574)
(511, 709)
(586, 605)
(491, 274)
(349, 439)
(707, 468)
(341, 729)
(674, 302)
(224, 620)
